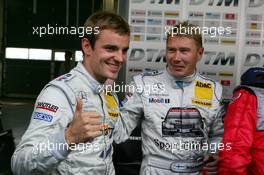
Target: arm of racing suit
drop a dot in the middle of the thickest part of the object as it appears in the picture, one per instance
(239, 128)
(38, 152)
(216, 129)
(131, 111)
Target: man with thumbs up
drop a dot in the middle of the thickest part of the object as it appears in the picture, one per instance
(84, 126)
(70, 131)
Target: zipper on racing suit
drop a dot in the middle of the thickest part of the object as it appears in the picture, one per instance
(180, 85)
(105, 147)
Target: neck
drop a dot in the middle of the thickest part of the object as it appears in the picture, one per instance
(89, 69)
(187, 78)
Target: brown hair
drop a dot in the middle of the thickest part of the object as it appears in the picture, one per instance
(105, 20)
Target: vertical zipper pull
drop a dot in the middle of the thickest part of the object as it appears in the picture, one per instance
(179, 84)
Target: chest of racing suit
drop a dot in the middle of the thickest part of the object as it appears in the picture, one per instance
(179, 119)
(94, 157)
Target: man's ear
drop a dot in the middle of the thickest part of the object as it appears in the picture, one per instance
(200, 53)
(86, 46)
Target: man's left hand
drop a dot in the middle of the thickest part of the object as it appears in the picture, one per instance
(211, 166)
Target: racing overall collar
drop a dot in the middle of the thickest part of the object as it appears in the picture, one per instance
(259, 93)
(89, 80)
(180, 82)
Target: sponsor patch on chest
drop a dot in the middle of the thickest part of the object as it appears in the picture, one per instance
(203, 94)
(159, 100)
(111, 104)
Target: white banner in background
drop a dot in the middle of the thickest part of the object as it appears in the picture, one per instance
(253, 52)
(224, 52)
(148, 19)
(220, 59)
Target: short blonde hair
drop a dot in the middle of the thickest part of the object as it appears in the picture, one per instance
(185, 29)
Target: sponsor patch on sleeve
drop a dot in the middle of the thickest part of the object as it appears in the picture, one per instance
(65, 77)
(42, 116)
(47, 106)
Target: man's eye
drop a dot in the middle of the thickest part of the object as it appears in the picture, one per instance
(171, 50)
(125, 50)
(184, 51)
(110, 49)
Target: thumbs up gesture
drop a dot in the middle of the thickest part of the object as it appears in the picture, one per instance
(84, 127)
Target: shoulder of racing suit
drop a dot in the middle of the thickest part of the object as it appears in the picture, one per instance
(63, 84)
(152, 74)
(259, 94)
(156, 77)
(142, 79)
(70, 84)
(247, 88)
(217, 87)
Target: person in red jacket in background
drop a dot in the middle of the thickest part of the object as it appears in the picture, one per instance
(244, 127)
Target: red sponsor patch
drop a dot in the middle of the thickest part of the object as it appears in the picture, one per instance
(171, 22)
(225, 82)
(47, 106)
(229, 16)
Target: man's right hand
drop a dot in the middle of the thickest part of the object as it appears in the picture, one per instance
(84, 127)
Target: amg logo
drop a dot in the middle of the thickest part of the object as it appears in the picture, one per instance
(159, 100)
(203, 85)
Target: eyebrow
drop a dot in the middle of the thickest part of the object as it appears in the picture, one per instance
(110, 46)
(184, 48)
(126, 48)
(114, 47)
(179, 48)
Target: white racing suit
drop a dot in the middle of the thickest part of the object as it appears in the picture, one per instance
(43, 149)
(181, 121)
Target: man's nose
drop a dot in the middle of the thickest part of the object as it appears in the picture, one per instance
(120, 56)
(177, 56)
